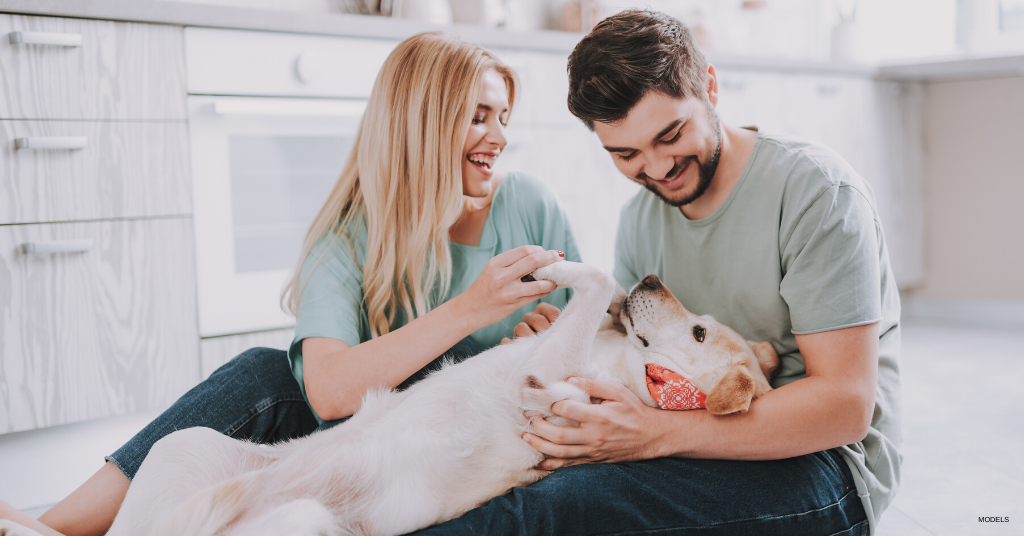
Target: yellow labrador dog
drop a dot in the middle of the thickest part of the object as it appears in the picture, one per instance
(410, 459)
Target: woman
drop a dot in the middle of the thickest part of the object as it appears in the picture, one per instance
(420, 248)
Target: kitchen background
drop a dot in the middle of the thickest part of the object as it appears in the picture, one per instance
(161, 159)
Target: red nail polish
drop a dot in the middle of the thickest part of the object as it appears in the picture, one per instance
(560, 254)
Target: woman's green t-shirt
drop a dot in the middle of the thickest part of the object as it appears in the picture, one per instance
(524, 211)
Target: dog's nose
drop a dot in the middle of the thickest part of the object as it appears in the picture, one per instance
(651, 282)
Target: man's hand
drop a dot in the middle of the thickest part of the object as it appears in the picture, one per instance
(539, 320)
(620, 428)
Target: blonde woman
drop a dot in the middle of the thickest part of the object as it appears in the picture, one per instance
(417, 253)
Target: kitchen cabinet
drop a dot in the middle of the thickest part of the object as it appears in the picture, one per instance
(106, 327)
(118, 70)
(125, 170)
(97, 271)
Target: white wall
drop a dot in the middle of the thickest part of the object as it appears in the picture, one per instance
(974, 190)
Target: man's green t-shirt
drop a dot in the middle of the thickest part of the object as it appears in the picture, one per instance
(796, 248)
(524, 211)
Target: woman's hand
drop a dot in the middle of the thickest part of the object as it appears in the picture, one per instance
(499, 290)
(620, 428)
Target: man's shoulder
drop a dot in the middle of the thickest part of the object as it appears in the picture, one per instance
(807, 169)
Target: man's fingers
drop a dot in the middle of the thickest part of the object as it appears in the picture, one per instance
(551, 449)
(577, 411)
(560, 435)
(604, 390)
(522, 330)
(505, 340)
(548, 311)
(550, 464)
(537, 323)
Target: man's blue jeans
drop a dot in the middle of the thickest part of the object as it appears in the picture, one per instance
(255, 397)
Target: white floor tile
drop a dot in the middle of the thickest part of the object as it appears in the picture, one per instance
(963, 423)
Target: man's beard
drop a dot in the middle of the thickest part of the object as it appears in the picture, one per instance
(706, 168)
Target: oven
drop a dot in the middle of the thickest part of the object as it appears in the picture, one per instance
(272, 119)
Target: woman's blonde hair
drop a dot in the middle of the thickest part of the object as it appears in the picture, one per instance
(404, 176)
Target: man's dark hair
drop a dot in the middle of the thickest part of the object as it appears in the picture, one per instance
(628, 55)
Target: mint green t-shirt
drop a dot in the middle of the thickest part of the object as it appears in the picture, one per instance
(524, 211)
(796, 248)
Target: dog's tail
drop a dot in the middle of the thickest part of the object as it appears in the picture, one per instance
(208, 512)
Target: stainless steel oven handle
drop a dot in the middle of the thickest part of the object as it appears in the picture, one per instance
(293, 108)
(52, 142)
(56, 246)
(46, 38)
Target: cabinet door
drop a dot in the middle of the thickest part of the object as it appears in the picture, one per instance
(219, 350)
(126, 170)
(108, 330)
(119, 71)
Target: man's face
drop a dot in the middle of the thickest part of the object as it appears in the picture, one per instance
(669, 145)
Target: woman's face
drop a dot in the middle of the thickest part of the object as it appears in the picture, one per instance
(486, 136)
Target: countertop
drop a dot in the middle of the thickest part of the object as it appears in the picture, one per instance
(215, 16)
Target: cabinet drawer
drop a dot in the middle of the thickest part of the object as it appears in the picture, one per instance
(126, 170)
(119, 71)
(219, 350)
(106, 331)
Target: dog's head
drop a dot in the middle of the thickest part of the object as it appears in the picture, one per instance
(714, 358)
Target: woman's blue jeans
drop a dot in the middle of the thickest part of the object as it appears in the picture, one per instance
(255, 397)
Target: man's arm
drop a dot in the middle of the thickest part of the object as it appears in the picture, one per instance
(829, 408)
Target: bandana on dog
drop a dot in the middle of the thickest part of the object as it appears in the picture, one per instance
(672, 391)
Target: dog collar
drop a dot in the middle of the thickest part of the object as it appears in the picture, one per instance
(672, 391)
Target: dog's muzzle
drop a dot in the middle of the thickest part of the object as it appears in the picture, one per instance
(672, 391)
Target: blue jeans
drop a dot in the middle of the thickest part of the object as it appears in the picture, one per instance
(255, 397)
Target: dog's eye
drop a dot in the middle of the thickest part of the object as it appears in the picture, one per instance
(698, 333)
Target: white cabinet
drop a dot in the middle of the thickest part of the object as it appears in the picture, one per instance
(125, 170)
(118, 70)
(105, 330)
(97, 271)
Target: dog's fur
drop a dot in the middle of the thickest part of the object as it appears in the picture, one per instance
(410, 459)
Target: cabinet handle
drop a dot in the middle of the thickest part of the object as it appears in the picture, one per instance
(56, 246)
(46, 38)
(52, 142)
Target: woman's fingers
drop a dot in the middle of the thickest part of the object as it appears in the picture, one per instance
(510, 257)
(533, 261)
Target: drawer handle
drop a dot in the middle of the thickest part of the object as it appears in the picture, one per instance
(56, 246)
(46, 38)
(52, 142)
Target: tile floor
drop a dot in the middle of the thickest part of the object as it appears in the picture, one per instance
(963, 407)
(963, 427)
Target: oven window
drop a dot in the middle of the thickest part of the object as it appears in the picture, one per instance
(278, 184)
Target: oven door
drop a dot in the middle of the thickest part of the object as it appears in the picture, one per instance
(261, 170)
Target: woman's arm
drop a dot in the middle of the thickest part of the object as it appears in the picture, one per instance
(337, 375)
(829, 408)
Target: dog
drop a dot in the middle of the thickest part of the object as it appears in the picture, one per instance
(407, 460)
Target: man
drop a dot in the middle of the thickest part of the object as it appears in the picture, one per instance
(775, 237)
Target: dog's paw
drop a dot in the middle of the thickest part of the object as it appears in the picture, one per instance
(10, 528)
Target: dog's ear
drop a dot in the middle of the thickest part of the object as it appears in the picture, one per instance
(733, 393)
(766, 357)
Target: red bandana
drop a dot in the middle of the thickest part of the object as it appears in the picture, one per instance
(672, 391)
